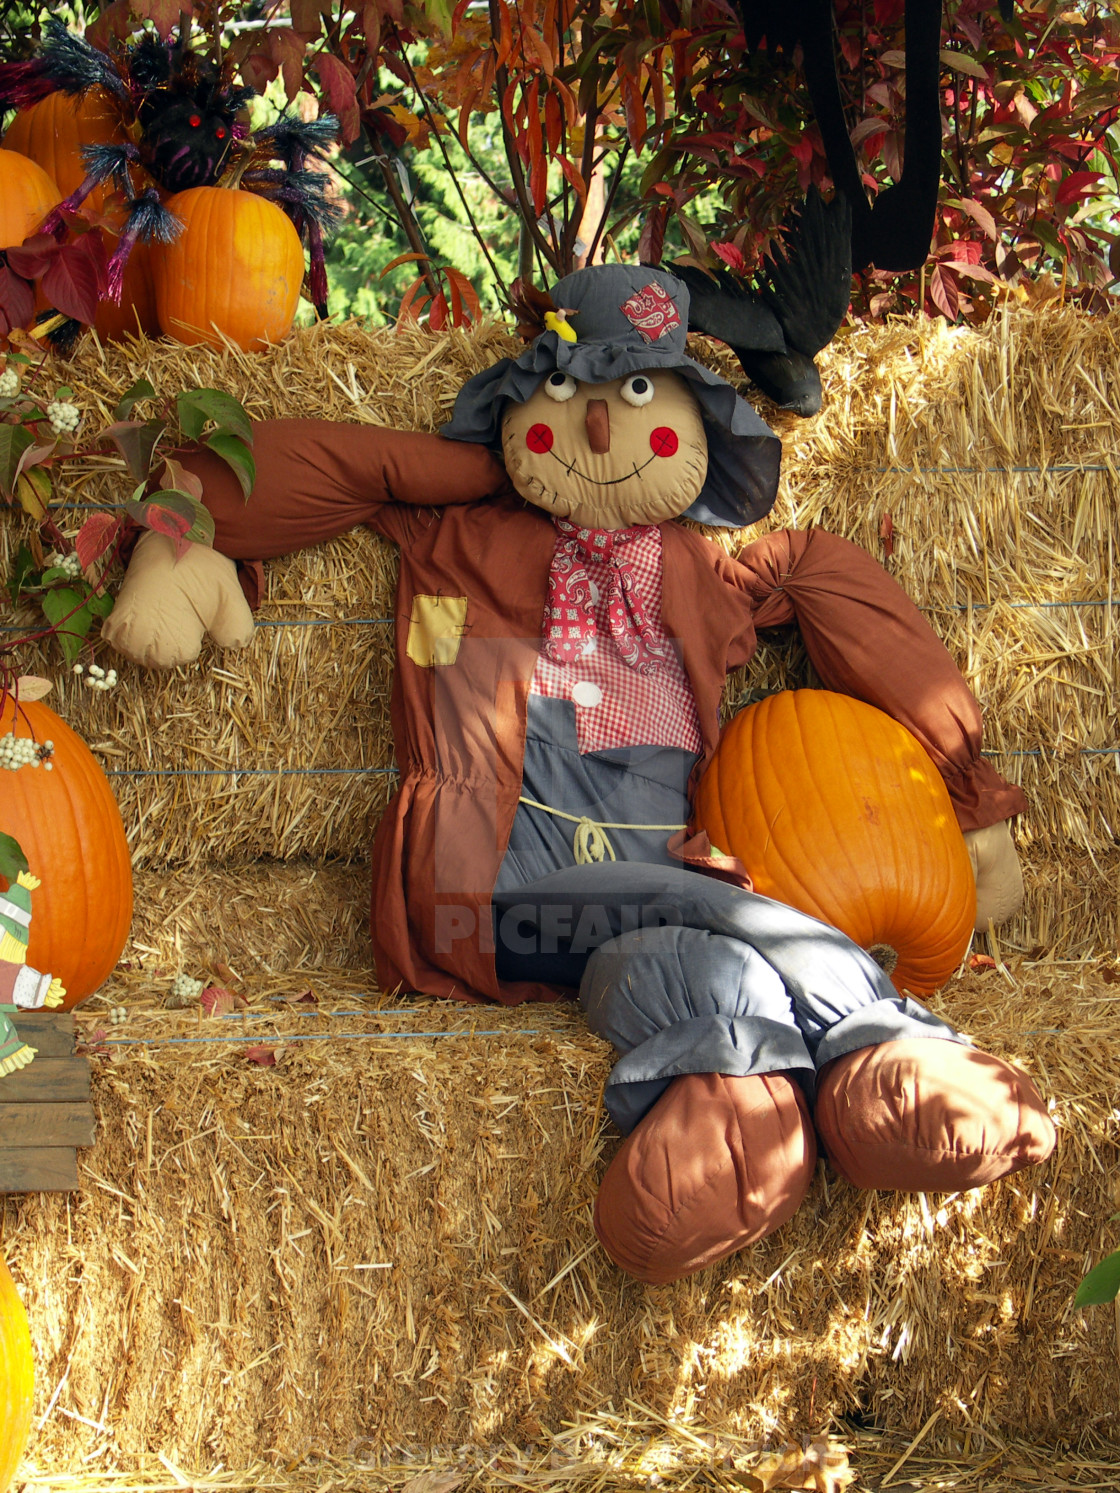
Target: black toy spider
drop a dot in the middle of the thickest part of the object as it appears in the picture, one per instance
(181, 120)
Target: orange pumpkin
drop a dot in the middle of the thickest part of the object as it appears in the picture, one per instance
(67, 823)
(137, 309)
(835, 809)
(52, 132)
(27, 195)
(235, 270)
(17, 1378)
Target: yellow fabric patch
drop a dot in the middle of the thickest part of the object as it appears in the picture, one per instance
(435, 629)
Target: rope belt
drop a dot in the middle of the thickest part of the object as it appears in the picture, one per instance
(590, 843)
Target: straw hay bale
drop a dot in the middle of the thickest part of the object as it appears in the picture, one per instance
(993, 450)
(197, 1298)
(203, 1296)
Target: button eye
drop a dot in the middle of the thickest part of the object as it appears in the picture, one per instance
(560, 386)
(637, 390)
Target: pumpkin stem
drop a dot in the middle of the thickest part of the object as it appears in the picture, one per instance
(884, 956)
(232, 178)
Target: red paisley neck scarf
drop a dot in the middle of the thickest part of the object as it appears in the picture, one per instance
(569, 629)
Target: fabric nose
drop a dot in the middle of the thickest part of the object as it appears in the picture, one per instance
(598, 426)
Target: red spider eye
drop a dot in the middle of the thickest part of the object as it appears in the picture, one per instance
(220, 132)
(194, 121)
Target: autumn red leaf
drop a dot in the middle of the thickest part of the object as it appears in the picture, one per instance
(302, 998)
(219, 1000)
(97, 535)
(77, 278)
(980, 962)
(262, 1056)
(886, 534)
(339, 94)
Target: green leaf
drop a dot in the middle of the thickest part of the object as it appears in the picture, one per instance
(236, 454)
(14, 441)
(23, 568)
(137, 443)
(141, 389)
(12, 858)
(67, 610)
(197, 407)
(1101, 1284)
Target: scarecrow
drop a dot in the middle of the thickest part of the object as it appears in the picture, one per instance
(561, 648)
(21, 987)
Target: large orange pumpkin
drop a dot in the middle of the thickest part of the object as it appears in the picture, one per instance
(237, 267)
(17, 1378)
(52, 132)
(67, 823)
(27, 195)
(835, 809)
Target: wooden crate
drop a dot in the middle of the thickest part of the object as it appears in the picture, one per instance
(45, 1109)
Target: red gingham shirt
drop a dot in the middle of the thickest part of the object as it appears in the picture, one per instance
(616, 705)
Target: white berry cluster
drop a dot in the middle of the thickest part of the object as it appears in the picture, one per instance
(19, 751)
(184, 990)
(70, 563)
(65, 418)
(117, 1014)
(95, 677)
(9, 384)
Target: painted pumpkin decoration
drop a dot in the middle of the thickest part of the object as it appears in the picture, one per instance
(17, 1378)
(835, 809)
(68, 825)
(52, 132)
(235, 270)
(27, 194)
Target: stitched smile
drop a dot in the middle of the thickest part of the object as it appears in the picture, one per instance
(570, 467)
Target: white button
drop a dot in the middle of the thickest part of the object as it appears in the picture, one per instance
(587, 694)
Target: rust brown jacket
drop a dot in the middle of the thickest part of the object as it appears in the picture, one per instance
(473, 577)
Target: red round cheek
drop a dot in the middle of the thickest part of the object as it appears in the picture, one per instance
(539, 438)
(663, 441)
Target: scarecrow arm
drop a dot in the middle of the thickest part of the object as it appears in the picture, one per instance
(315, 480)
(318, 478)
(866, 638)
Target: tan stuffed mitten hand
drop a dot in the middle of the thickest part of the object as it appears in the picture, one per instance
(999, 877)
(166, 606)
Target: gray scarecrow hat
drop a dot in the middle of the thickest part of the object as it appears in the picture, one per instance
(629, 319)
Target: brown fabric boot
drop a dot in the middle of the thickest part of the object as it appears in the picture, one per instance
(929, 1116)
(718, 1163)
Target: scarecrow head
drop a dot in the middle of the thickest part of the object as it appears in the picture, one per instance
(606, 421)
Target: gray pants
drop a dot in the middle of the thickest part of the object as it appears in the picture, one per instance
(683, 973)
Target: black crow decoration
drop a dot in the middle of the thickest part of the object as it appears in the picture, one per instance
(801, 293)
(894, 231)
(799, 298)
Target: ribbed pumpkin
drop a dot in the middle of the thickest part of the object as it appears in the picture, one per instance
(17, 1378)
(52, 132)
(68, 825)
(237, 266)
(27, 195)
(835, 809)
